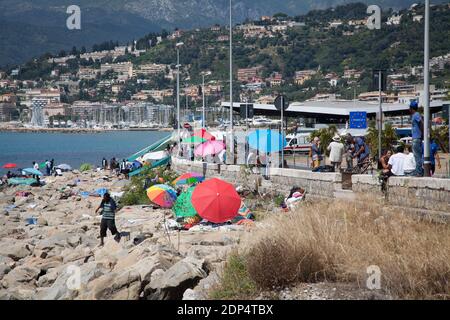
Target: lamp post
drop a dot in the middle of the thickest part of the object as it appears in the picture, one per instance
(203, 93)
(231, 85)
(426, 77)
(178, 46)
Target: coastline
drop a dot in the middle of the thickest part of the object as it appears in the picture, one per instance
(77, 130)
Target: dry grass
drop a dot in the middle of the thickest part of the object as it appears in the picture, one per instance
(338, 240)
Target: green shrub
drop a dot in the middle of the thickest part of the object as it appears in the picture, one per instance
(85, 167)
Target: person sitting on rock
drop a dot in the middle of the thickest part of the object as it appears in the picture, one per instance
(108, 206)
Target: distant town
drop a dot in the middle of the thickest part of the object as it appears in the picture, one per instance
(127, 86)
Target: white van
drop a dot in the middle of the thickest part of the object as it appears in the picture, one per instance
(299, 142)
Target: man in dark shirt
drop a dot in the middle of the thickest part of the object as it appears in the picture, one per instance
(108, 206)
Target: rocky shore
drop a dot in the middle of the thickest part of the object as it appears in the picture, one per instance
(49, 246)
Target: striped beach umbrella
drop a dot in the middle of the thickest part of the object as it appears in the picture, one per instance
(162, 195)
(188, 178)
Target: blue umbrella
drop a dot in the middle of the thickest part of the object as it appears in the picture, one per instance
(32, 171)
(266, 140)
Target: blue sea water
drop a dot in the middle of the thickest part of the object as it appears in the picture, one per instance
(72, 148)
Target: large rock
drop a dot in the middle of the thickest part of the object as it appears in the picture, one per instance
(111, 253)
(200, 292)
(114, 286)
(14, 250)
(18, 293)
(176, 280)
(4, 269)
(62, 288)
(21, 274)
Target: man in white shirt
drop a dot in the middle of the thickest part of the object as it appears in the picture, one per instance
(397, 162)
(410, 163)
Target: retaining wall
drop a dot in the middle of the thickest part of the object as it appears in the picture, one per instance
(280, 180)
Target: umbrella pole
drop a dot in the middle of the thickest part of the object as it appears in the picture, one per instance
(178, 240)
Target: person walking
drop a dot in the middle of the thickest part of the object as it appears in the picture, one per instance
(417, 136)
(336, 149)
(108, 206)
(316, 154)
(35, 165)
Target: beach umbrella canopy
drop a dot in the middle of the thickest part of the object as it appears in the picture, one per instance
(202, 133)
(193, 140)
(216, 201)
(183, 207)
(32, 171)
(154, 156)
(266, 140)
(64, 167)
(162, 195)
(10, 166)
(188, 178)
(209, 148)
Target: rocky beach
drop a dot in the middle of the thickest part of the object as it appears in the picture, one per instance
(49, 246)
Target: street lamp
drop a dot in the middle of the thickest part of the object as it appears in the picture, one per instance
(178, 46)
(207, 73)
(231, 86)
(426, 77)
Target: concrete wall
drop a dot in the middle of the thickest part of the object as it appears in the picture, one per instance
(417, 193)
(421, 193)
(281, 180)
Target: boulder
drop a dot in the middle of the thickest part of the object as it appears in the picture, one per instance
(18, 293)
(176, 280)
(14, 250)
(4, 269)
(21, 274)
(62, 288)
(114, 286)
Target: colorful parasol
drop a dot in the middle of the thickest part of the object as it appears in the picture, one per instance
(162, 195)
(188, 178)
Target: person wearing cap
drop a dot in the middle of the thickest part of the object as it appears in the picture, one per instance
(336, 149)
(316, 155)
(417, 136)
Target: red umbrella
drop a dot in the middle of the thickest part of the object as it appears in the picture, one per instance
(216, 201)
(202, 133)
(10, 166)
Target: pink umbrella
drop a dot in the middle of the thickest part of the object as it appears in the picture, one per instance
(209, 148)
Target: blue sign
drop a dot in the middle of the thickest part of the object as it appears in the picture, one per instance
(358, 120)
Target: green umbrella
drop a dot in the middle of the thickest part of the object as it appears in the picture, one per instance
(183, 207)
(191, 140)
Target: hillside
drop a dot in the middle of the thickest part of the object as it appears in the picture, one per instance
(30, 28)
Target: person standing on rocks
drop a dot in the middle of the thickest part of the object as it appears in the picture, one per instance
(104, 164)
(108, 206)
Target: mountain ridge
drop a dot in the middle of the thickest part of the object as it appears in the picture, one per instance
(36, 27)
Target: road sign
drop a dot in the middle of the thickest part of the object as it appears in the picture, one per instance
(281, 100)
(246, 111)
(358, 120)
(375, 80)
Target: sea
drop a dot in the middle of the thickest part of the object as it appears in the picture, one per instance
(73, 149)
